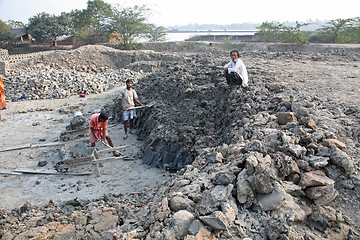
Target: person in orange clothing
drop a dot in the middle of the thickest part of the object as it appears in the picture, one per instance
(2, 96)
(97, 130)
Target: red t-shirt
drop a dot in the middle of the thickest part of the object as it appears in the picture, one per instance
(96, 124)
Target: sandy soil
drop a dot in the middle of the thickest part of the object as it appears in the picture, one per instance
(41, 122)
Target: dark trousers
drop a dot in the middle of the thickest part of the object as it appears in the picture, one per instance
(233, 78)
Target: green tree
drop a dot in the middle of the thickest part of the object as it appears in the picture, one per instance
(131, 23)
(15, 24)
(269, 31)
(335, 30)
(351, 33)
(156, 34)
(5, 33)
(93, 23)
(289, 34)
(45, 27)
(279, 32)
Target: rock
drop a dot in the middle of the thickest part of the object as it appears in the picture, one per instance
(314, 179)
(290, 207)
(322, 195)
(198, 231)
(336, 142)
(179, 203)
(203, 233)
(285, 117)
(324, 217)
(103, 220)
(341, 159)
(195, 226)
(293, 189)
(222, 193)
(76, 123)
(182, 221)
(216, 220)
(308, 122)
(286, 165)
(224, 178)
(272, 200)
(215, 158)
(317, 162)
(245, 194)
(65, 232)
(296, 150)
(207, 203)
(230, 210)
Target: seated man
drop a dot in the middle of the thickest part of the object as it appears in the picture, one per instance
(235, 71)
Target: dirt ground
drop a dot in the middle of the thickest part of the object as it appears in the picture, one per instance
(41, 122)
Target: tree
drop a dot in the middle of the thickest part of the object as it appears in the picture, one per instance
(156, 34)
(294, 34)
(269, 31)
(279, 32)
(131, 23)
(353, 31)
(5, 34)
(45, 27)
(93, 23)
(335, 30)
(15, 24)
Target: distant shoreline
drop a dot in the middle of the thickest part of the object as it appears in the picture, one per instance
(182, 35)
(210, 31)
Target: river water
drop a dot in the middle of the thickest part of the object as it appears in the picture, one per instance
(182, 36)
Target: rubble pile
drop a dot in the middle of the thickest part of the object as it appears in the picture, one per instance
(270, 161)
(87, 70)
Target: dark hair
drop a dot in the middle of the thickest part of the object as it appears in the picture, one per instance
(237, 52)
(103, 116)
(129, 80)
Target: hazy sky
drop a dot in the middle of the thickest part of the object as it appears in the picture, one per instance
(182, 12)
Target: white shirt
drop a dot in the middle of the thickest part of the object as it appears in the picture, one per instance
(127, 97)
(240, 68)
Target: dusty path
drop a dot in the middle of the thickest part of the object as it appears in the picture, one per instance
(41, 122)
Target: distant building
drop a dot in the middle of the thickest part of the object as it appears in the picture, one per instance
(21, 36)
(65, 40)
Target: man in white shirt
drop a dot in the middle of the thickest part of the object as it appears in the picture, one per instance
(235, 71)
(126, 99)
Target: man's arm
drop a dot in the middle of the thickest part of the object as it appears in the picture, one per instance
(226, 67)
(94, 132)
(120, 102)
(138, 102)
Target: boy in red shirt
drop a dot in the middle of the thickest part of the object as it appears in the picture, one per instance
(97, 130)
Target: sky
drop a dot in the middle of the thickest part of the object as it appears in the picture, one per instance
(169, 13)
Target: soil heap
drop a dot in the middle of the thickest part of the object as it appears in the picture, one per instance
(276, 160)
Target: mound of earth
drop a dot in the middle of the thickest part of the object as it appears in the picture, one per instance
(276, 160)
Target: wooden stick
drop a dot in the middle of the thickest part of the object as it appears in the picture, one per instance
(48, 172)
(29, 145)
(136, 107)
(112, 149)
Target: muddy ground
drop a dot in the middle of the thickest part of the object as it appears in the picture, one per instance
(196, 114)
(42, 122)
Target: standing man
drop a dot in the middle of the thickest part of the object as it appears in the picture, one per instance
(126, 99)
(97, 130)
(235, 71)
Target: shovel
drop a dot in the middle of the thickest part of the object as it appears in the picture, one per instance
(150, 104)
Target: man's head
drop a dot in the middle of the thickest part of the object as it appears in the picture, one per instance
(234, 54)
(103, 117)
(129, 83)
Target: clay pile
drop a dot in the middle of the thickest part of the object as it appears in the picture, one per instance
(271, 161)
